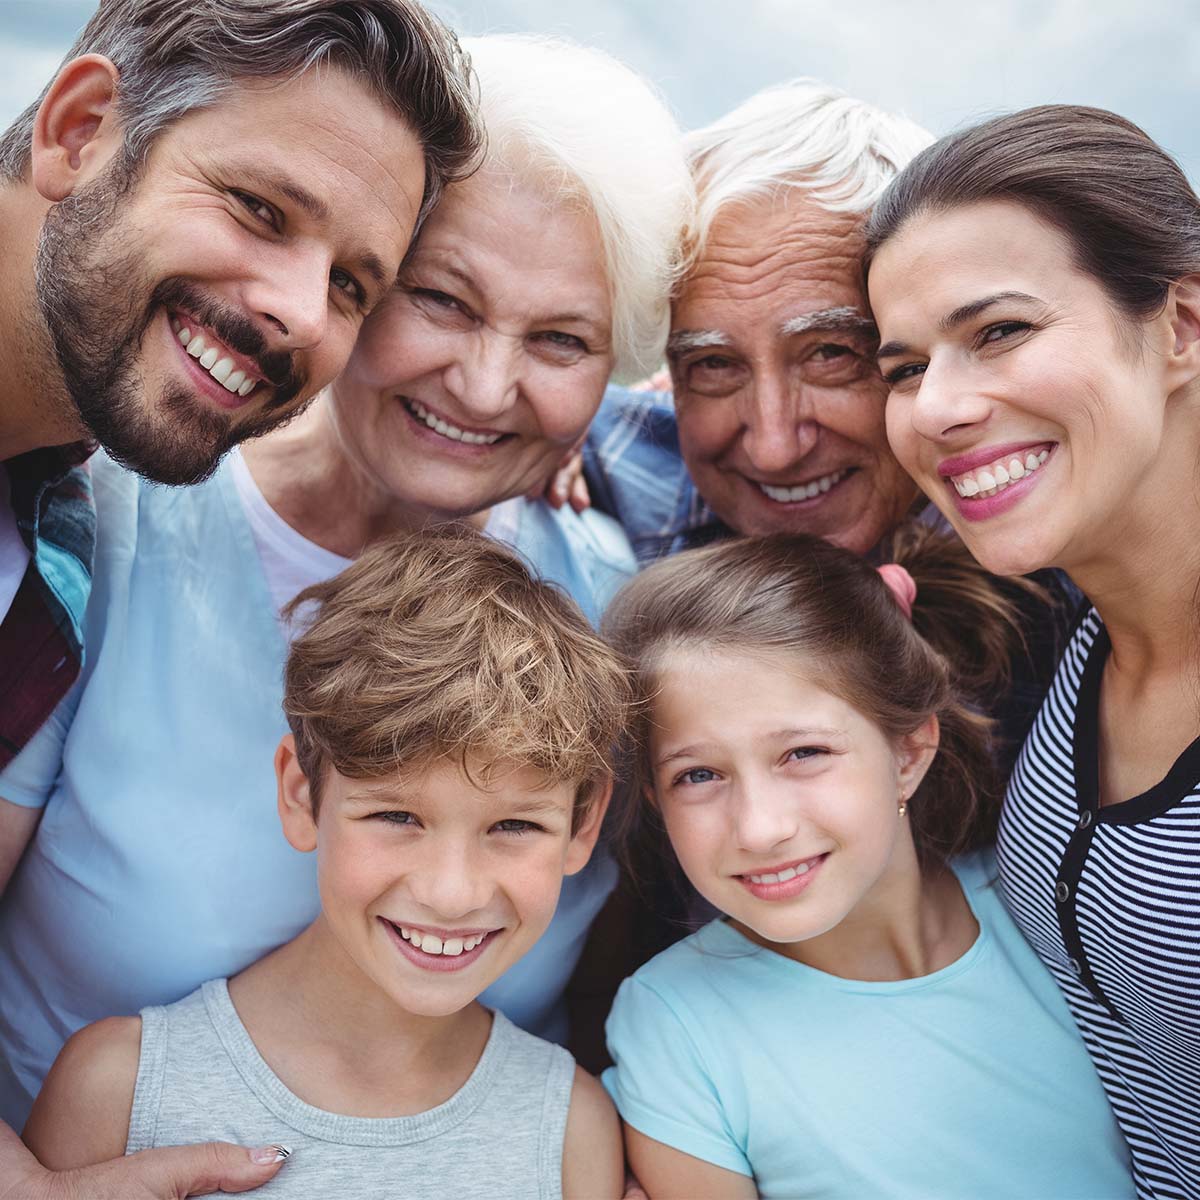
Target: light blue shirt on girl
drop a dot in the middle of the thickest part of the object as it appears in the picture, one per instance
(159, 862)
(970, 1082)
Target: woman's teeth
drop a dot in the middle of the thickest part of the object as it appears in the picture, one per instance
(781, 876)
(987, 481)
(804, 491)
(430, 943)
(219, 366)
(451, 431)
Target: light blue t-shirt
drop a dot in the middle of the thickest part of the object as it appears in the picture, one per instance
(159, 862)
(970, 1082)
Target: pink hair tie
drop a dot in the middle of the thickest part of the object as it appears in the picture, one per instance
(901, 584)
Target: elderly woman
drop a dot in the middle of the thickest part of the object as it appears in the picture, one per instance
(158, 861)
(1037, 285)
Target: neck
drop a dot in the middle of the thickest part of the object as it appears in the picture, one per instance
(309, 477)
(35, 409)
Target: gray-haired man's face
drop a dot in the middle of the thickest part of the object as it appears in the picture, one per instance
(780, 406)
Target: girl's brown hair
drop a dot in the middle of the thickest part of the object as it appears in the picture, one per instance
(1126, 207)
(799, 597)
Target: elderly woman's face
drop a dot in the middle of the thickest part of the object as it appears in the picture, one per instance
(1023, 405)
(487, 362)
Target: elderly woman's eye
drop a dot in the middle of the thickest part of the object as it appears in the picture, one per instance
(563, 341)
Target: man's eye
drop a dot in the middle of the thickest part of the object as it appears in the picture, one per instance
(712, 362)
(696, 775)
(257, 208)
(345, 282)
(831, 350)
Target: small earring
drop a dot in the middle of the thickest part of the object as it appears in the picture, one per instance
(903, 805)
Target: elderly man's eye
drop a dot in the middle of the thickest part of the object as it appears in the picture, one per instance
(831, 350)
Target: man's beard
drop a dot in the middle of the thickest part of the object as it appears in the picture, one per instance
(94, 302)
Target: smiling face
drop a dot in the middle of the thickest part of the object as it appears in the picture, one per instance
(474, 377)
(1033, 415)
(205, 300)
(779, 404)
(781, 800)
(434, 883)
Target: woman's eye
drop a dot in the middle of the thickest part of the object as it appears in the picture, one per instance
(898, 375)
(514, 825)
(696, 775)
(1002, 330)
(256, 207)
(563, 341)
(436, 299)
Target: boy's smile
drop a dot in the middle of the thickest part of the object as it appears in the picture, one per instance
(447, 950)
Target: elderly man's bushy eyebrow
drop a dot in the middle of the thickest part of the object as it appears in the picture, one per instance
(685, 340)
(842, 319)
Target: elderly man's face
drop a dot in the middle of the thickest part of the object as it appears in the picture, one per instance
(780, 407)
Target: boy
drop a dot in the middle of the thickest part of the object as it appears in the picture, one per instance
(451, 725)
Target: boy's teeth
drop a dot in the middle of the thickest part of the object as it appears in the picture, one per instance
(430, 943)
(805, 491)
(453, 432)
(219, 366)
(987, 481)
(780, 876)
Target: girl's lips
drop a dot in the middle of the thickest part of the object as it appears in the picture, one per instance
(436, 962)
(786, 889)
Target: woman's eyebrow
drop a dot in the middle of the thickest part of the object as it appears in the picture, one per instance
(964, 312)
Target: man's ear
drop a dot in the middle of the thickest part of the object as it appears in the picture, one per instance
(294, 798)
(1183, 312)
(914, 754)
(75, 133)
(583, 840)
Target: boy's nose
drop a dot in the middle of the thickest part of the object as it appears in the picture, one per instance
(451, 884)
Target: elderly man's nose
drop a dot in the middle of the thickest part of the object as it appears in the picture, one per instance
(779, 430)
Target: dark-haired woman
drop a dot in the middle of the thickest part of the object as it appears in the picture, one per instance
(1036, 280)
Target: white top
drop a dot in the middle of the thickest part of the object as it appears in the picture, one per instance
(14, 554)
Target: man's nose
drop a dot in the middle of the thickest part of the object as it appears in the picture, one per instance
(484, 376)
(779, 426)
(289, 296)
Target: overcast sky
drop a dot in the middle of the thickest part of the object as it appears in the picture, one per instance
(943, 62)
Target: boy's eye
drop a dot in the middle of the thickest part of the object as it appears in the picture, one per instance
(514, 825)
(696, 775)
(393, 816)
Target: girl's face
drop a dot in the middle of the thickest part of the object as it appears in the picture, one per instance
(781, 800)
(1024, 406)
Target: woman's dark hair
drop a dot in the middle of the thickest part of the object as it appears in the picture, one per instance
(800, 598)
(1125, 206)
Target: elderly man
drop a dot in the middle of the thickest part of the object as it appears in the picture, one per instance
(777, 420)
(196, 222)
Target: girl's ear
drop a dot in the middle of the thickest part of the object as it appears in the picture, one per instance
(294, 798)
(914, 754)
(583, 840)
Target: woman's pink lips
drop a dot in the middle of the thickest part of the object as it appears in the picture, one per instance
(962, 463)
(789, 888)
(436, 962)
(983, 508)
(445, 445)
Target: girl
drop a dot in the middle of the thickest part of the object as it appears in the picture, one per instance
(1036, 281)
(865, 1020)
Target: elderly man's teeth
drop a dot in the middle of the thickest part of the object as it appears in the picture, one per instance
(780, 876)
(987, 481)
(219, 366)
(430, 943)
(453, 432)
(804, 491)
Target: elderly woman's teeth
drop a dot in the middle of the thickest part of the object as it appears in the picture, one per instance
(987, 481)
(453, 432)
(430, 943)
(210, 358)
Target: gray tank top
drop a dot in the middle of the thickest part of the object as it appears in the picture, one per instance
(200, 1078)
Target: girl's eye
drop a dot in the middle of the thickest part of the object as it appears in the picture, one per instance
(696, 775)
(256, 207)
(1002, 330)
(517, 826)
(804, 753)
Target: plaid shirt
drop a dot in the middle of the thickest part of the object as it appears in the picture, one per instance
(635, 473)
(41, 638)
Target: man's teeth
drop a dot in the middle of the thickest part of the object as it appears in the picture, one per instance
(987, 481)
(430, 943)
(210, 358)
(780, 876)
(805, 491)
(451, 431)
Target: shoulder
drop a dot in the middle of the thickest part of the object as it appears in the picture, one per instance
(592, 1153)
(81, 1115)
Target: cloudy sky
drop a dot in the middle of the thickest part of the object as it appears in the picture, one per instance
(943, 62)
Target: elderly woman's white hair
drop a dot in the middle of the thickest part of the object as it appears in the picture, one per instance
(588, 127)
(843, 152)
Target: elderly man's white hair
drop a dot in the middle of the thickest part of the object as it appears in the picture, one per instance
(587, 127)
(843, 152)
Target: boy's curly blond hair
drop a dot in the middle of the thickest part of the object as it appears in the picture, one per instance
(440, 645)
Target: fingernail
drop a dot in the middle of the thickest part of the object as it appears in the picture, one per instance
(269, 1154)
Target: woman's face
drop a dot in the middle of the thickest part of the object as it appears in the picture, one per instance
(1026, 407)
(488, 360)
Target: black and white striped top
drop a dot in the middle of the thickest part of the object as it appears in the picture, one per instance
(1110, 899)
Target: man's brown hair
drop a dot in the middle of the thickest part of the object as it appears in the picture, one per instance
(441, 645)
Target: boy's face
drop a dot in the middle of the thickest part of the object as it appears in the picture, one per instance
(434, 883)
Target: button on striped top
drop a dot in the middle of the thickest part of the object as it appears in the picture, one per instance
(1110, 899)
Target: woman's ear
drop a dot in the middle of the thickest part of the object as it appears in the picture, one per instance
(75, 132)
(583, 840)
(294, 798)
(914, 754)
(1183, 312)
